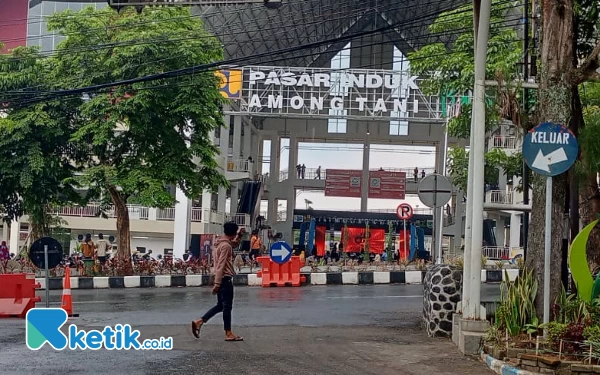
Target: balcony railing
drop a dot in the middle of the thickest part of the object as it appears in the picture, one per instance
(496, 252)
(500, 196)
(136, 212)
(505, 142)
(311, 173)
(239, 165)
(162, 214)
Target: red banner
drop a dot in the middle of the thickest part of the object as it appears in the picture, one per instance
(348, 183)
(387, 185)
(320, 240)
(342, 183)
(376, 241)
(401, 238)
(357, 239)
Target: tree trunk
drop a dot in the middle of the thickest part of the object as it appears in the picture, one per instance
(589, 210)
(122, 213)
(555, 95)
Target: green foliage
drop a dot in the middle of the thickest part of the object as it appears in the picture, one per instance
(579, 265)
(592, 333)
(516, 313)
(588, 137)
(458, 166)
(35, 149)
(451, 65)
(556, 332)
(132, 140)
(460, 126)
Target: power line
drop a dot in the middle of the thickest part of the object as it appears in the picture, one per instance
(206, 67)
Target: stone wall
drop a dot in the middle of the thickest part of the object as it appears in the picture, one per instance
(442, 291)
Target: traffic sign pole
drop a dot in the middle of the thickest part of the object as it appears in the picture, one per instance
(547, 246)
(47, 277)
(404, 236)
(549, 149)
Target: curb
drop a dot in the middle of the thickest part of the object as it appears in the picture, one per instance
(250, 279)
(501, 368)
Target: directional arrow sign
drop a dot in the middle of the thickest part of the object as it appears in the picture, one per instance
(280, 252)
(550, 149)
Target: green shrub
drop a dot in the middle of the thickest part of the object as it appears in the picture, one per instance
(556, 332)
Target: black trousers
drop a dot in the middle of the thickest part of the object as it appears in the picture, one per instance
(224, 303)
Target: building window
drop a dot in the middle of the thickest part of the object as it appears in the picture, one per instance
(400, 63)
(398, 127)
(339, 61)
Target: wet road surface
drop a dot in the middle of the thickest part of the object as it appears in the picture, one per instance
(311, 330)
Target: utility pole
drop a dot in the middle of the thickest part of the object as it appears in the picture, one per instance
(525, 178)
(478, 155)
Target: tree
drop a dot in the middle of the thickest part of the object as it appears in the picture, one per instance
(449, 66)
(35, 154)
(567, 59)
(139, 137)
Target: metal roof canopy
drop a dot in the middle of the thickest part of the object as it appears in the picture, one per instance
(248, 28)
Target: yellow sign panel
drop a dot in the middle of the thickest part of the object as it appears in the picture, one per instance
(231, 83)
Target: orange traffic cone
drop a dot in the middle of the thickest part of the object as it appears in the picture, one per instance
(67, 301)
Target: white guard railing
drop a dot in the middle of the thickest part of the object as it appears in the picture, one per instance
(496, 252)
(136, 212)
(239, 165)
(500, 196)
(506, 142)
(242, 220)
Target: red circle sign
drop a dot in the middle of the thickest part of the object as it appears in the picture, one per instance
(404, 211)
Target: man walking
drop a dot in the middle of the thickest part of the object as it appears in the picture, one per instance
(223, 288)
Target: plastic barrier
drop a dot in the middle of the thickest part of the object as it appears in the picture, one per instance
(17, 295)
(274, 274)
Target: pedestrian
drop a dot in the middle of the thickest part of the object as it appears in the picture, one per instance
(88, 250)
(4, 254)
(102, 248)
(303, 170)
(422, 173)
(416, 174)
(318, 176)
(223, 287)
(299, 170)
(255, 246)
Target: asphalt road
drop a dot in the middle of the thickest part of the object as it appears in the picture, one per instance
(310, 330)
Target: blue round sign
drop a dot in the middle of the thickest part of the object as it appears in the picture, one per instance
(550, 149)
(280, 252)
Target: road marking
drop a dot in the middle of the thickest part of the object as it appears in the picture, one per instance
(373, 297)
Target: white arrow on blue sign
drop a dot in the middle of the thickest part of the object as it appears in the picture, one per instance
(280, 252)
(550, 149)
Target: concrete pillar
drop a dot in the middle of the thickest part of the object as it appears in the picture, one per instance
(500, 231)
(364, 191)
(502, 179)
(274, 159)
(237, 137)
(181, 233)
(515, 230)
(224, 147)
(5, 232)
(247, 142)
(235, 195)
(257, 153)
(15, 233)
(272, 211)
(206, 206)
(293, 160)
